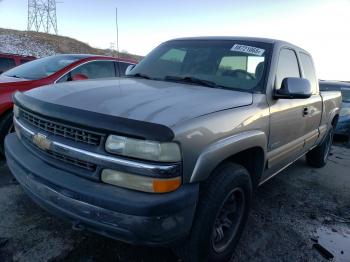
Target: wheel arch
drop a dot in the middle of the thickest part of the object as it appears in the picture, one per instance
(247, 149)
(334, 121)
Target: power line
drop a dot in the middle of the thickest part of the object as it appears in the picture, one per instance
(42, 16)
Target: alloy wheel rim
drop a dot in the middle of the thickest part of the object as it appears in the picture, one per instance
(228, 220)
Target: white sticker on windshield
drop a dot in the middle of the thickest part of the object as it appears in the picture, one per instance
(248, 49)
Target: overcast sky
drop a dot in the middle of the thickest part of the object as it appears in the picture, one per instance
(319, 26)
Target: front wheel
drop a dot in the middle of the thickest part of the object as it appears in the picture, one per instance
(221, 214)
(318, 156)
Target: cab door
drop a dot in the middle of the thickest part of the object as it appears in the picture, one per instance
(287, 123)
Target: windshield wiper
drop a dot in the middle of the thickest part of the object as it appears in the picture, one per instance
(193, 80)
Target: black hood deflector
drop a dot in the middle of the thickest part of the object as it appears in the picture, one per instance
(95, 121)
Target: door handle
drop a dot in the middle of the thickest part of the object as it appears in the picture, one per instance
(305, 111)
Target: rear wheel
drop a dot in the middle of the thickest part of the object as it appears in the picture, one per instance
(6, 127)
(318, 156)
(221, 215)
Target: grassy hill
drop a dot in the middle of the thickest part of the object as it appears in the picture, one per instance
(42, 44)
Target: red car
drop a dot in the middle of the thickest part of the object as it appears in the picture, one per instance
(8, 61)
(51, 70)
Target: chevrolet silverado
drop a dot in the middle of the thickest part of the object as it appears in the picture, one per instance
(172, 153)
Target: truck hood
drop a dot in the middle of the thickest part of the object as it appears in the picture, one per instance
(165, 103)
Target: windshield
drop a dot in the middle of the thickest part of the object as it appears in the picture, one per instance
(216, 63)
(345, 95)
(43, 67)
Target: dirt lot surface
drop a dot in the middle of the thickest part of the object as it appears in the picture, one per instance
(297, 216)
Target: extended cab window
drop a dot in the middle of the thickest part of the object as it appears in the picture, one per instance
(228, 64)
(287, 66)
(309, 71)
(6, 64)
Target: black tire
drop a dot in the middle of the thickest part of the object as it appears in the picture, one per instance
(6, 127)
(318, 156)
(206, 241)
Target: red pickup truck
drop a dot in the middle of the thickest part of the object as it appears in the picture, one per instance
(52, 70)
(8, 61)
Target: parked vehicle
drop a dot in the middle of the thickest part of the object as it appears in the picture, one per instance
(343, 126)
(8, 61)
(171, 154)
(52, 70)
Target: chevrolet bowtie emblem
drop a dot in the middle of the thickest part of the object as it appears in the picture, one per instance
(41, 141)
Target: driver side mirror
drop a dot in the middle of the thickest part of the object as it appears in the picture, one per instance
(128, 69)
(294, 87)
(78, 77)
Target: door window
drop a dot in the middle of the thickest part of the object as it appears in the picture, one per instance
(122, 67)
(287, 66)
(97, 69)
(93, 70)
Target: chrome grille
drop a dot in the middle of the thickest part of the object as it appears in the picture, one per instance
(69, 132)
(67, 159)
(73, 161)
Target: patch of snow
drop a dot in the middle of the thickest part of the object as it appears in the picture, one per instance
(25, 45)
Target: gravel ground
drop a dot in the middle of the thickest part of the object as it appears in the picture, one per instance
(295, 214)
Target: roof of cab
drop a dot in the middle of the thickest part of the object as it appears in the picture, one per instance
(254, 39)
(246, 38)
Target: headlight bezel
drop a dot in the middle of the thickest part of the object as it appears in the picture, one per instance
(163, 152)
(16, 111)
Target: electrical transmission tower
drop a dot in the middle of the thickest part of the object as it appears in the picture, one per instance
(42, 16)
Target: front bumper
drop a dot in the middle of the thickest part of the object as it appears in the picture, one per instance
(130, 216)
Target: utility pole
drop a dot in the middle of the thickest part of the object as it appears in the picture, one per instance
(42, 16)
(116, 23)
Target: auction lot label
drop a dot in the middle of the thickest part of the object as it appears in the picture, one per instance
(248, 49)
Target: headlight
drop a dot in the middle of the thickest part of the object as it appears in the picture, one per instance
(344, 112)
(16, 111)
(143, 149)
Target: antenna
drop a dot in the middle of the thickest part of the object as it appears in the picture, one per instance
(42, 16)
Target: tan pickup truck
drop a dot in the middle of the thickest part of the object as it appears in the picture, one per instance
(172, 153)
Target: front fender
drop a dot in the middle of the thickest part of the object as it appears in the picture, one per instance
(217, 152)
